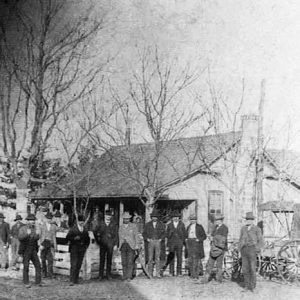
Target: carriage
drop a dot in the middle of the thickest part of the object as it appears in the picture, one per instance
(280, 257)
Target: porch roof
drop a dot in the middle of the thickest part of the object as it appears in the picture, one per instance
(126, 170)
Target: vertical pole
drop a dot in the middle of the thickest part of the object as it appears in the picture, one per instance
(259, 166)
(121, 209)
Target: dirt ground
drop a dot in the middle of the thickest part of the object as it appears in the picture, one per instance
(141, 288)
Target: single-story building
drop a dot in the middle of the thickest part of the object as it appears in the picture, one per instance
(203, 175)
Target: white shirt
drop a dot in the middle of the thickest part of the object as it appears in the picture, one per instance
(48, 226)
(175, 224)
(154, 224)
(192, 231)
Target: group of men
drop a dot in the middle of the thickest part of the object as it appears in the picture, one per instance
(128, 238)
(154, 233)
(26, 240)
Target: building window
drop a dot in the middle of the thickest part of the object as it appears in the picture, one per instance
(215, 204)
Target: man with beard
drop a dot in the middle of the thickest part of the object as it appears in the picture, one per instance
(29, 235)
(15, 243)
(48, 245)
(218, 248)
(176, 235)
(128, 244)
(194, 243)
(154, 232)
(106, 235)
(250, 244)
(79, 240)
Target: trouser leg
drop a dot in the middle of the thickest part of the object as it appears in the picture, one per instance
(109, 254)
(246, 267)
(81, 253)
(130, 258)
(14, 251)
(37, 265)
(209, 267)
(151, 248)
(252, 268)
(157, 257)
(73, 258)
(44, 263)
(124, 260)
(102, 261)
(179, 259)
(26, 259)
(50, 262)
(200, 267)
(219, 263)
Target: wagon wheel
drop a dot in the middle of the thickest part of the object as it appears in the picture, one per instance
(288, 261)
(233, 263)
(268, 266)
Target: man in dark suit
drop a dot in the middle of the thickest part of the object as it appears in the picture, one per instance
(176, 235)
(153, 233)
(219, 243)
(106, 235)
(79, 240)
(194, 243)
(29, 235)
(4, 242)
(250, 244)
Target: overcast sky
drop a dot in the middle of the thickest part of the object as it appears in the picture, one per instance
(239, 39)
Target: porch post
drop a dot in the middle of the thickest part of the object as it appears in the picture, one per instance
(121, 210)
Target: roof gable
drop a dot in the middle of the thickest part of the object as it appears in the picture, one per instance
(125, 171)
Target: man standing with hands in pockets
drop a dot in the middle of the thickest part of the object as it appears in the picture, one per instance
(153, 233)
(250, 244)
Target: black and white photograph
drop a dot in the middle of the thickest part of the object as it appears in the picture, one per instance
(149, 149)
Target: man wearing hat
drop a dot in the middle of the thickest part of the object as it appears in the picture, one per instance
(128, 244)
(79, 240)
(106, 236)
(176, 235)
(218, 248)
(194, 243)
(48, 245)
(154, 232)
(29, 235)
(4, 242)
(250, 243)
(15, 243)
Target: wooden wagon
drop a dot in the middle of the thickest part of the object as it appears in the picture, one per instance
(280, 257)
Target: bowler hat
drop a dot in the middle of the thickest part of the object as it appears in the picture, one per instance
(219, 217)
(126, 215)
(44, 209)
(154, 213)
(2, 216)
(18, 218)
(80, 218)
(49, 215)
(193, 217)
(57, 214)
(249, 216)
(176, 214)
(107, 213)
(31, 217)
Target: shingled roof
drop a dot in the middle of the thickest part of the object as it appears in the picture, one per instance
(123, 171)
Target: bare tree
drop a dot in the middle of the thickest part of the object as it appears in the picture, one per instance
(155, 97)
(46, 68)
